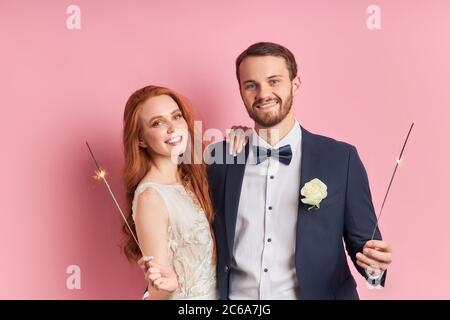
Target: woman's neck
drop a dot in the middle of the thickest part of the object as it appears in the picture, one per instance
(163, 170)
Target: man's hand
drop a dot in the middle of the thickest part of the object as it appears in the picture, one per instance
(376, 254)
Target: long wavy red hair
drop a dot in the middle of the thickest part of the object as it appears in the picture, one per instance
(137, 162)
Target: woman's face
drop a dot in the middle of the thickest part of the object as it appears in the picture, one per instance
(164, 130)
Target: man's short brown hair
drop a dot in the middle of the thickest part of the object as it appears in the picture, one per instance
(262, 49)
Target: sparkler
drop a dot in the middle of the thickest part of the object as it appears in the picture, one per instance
(101, 174)
(399, 160)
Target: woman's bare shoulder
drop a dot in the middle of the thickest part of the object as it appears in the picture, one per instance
(150, 202)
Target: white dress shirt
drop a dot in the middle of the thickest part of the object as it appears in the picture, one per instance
(263, 264)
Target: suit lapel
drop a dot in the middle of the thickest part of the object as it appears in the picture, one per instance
(233, 186)
(309, 169)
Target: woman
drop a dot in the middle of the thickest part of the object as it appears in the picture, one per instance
(170, 207)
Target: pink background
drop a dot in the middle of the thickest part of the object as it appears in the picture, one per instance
(60, 87)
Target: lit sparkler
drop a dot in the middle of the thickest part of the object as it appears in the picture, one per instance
(399, 160)
(100, 174)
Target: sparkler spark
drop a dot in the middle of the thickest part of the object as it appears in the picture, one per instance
(99, 174)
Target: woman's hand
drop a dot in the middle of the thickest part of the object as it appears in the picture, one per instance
(237, 138)
(143, 263)
(161, 277)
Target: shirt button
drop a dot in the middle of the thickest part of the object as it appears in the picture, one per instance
(270, 208)
(269, 240)
(265, 269)
(271, 177)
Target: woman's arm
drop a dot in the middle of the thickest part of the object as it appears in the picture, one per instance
(152, 221)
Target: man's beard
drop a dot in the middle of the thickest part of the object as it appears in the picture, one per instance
(270, 119)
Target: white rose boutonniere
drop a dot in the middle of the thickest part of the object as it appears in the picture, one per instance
(314, 192)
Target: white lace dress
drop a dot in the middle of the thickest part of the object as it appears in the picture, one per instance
(190, 241)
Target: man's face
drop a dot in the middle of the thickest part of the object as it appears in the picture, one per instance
(266, 89)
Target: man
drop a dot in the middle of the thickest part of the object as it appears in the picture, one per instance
(273, 243)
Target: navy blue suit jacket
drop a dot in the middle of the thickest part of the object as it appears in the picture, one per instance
(347, 213)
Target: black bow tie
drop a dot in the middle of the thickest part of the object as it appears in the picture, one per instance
(283, 154)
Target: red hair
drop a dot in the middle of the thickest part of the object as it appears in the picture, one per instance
(137, 162)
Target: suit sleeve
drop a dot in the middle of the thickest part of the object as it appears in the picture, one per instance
(360, 217)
